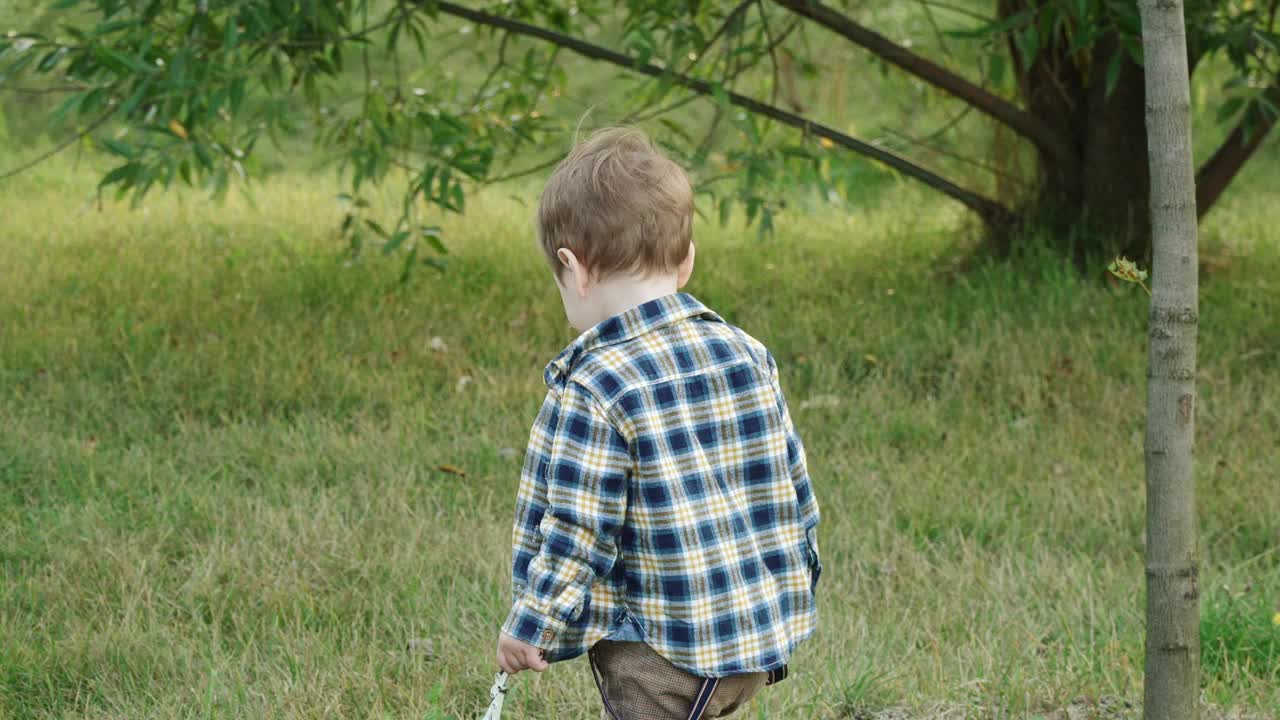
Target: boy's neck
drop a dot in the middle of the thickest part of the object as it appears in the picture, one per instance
(621, 293)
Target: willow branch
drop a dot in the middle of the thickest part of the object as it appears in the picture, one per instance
(59, 148)
(729, 20)
(990, 210)
(1220, 169)
(1017, 119)
(642, 114)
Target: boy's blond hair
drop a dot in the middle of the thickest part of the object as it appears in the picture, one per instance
(619, 205)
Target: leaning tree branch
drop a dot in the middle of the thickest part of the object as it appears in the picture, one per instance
(928, 144)
(99, 122)
(1220, 169)
(1019, 120)
(989, 210)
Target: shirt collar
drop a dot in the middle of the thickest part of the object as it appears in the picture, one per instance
(624, 326)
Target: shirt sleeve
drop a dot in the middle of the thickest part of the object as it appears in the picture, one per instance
(799, 469)
(586, 494)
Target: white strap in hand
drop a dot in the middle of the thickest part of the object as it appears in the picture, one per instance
(496, 694)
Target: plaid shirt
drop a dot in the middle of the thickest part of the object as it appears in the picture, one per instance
(664, 481)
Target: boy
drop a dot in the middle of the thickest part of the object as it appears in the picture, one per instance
(665, 522)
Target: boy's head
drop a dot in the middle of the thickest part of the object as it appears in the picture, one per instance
(616, 210)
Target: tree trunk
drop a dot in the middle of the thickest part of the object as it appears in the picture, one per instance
(1102, 208)
(1116, 181)
(1172, 686)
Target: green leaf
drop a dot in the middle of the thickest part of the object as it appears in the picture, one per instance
(721, 96)
(766, 224)
(230, 34)
(1230, 108)
(474, 161)
(1029, 43)
(676, 129)
(67, 108)
(1113, 72)
(393, 37)
(123, 174)
(236, 93)
(123, 149)
(747, 124)
(1133, 46)
(16, 66)
(119, 62)
(1268, 108)
(995, 68)
(457, 198)
(51, 59)
(1085, 37)
(134, 99)
(407, 269)
(999, 27)
(115, 26)
(202, 156)
(431, 234)
(395, 241)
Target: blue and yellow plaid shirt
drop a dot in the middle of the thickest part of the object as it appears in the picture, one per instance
(665, 483)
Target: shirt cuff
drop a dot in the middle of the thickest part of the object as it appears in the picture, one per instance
(531, 626)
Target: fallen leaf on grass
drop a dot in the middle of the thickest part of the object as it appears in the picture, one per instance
(1064, 365)
(821, 401)
(420, 648)
(453, 470)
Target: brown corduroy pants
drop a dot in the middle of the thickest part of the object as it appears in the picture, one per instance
(636, 683)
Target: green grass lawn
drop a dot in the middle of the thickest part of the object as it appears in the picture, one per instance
(221, 453)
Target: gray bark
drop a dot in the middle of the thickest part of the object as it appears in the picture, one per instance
(1172, 686)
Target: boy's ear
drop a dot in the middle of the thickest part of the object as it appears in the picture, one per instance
(685, 270)
(577, 278)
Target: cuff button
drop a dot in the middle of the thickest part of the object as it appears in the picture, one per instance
(548, 635)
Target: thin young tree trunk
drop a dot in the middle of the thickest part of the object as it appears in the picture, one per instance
(1172, 686)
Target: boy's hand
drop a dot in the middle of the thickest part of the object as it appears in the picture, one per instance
(514, 656)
